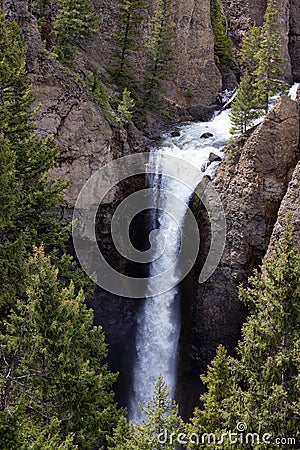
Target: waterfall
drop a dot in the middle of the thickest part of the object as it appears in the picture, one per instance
(158, 326)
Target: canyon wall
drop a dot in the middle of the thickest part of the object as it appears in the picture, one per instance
(294, 38)
(196, 81)
(255, 182)
(86, 140)
(290, 204)
(243, 13)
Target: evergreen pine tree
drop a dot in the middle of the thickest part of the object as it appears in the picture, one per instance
(158, 431)
(33, 157)
(269, 73)
(76, 21)
(99, 93)
(18, 432)
(26, 160)
(43, 11)
(244, 107)
(159, 47)
(220, 396)
(261, 388)
(52, 359)
(269, 351)
(125, 107)
(8, 184)
(220, 386)
(249, 50)
(222, 43)
(129, 15)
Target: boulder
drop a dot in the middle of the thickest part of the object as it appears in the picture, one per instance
(213, 157)
(175, 133)
(206, 136)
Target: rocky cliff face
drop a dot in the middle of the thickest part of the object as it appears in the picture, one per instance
(243, 13)
(290, 204)
(85, 139)
(252, 185)
(196, 72)
(196, 81)
(294, 38)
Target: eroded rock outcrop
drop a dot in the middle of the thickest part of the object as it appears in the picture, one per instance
(243, 13)
(197, 77)
(251, 186)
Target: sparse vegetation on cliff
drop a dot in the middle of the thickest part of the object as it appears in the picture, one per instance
(223, 45)
(157, 45)
(244, 107)
(159, 49)
(269, 73)
(128, 35)
(75, 22)
(260, 58)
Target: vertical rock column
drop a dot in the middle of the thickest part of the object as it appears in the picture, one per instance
(197, 76)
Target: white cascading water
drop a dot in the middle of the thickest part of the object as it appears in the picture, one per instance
(158, 327)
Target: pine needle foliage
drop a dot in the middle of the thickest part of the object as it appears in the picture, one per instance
(220, 395)
(160, 54)
(270, 363)
(260, 58)
(18, 432)
(52, 359)
(245, 108)
(269, 73)
(224, 53)
(161, 420)
(27, 193)
(99, 93)
(75, 22)
(261, 387)
(128, 34)
(125, 108)
(248, 55)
